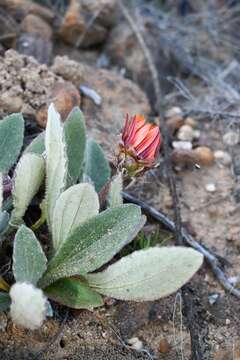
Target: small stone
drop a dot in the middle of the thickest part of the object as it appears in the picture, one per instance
(211, 187)
(184, 157)
(234, 280)
(3, 322)
(164, 346)
(231, 138)
(228, 321)
(191, 122)
(182, 145)
(185, 133)
(204, 155)
(135, 343)
(174, 123)
(35, 24)
(196, 134)
(65, 97)
(174, 111)
(213, 298)
(167, 201)
(11, 103)
(222, 157)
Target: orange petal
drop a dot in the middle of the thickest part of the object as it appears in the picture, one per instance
(134, 126)
(152, 150)
(149, 138)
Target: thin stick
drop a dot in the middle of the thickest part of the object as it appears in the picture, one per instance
(212, 259)
(196, 348)
(54, 338)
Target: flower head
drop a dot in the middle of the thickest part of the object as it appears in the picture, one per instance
(139, 144)
(28, 306)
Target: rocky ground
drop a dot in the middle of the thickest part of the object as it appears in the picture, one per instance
(85, 54)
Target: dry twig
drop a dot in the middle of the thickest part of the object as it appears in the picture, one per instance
(54, 338)
(197, 348)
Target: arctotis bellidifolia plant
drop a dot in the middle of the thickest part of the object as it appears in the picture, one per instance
(82, 238)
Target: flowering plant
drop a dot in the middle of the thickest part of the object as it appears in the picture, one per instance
(139, 146)
(83, 234)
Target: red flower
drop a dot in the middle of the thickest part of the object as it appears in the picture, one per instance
(140, 144)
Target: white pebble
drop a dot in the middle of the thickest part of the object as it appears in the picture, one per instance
(185, 133)
(211, 187)
(196, 134)
(222, 157)
(135, 343)
(174, 111)
(182, 145)
(231, 138)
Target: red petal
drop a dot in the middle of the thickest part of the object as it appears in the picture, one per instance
(149, 138)
(135, 124)
(152, 151)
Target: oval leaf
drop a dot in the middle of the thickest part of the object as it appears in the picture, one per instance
(5, 301)
(74, 206)
(95, 242)
(56, 163)
(147, 274)
(96, 166)
(74, 293)
(115, 196)
(75, 137)
(4, 220)
(28, 177)
(37, 146)
(1, 191)
(29, 260)
(11, 140)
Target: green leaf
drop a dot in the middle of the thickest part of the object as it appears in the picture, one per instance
(96, 166)
(4, 219)
(5, 301)
(74, 293)
(148, 274)
(29, 175)
(75, 137)
(37, 146)
(56, 162)
(11, 140)
(115, 197)
(1, 191)
(95, 242)
(73, 207)
(29, 260)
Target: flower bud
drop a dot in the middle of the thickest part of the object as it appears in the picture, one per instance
(29, 305)
(139, 146)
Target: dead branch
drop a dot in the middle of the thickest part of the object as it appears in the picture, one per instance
(197, 348)
(54, 338)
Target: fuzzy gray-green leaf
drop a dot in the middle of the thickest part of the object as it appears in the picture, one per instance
(73, 207)
(5, 301)
(147, 274)
(95, 242)
(1, 191)
(4, 220)
(115, 196)
(74, 293)
(56, 162)
(29, 175)
(75, 137)
(29, 260)
(96, 166)
(37, 146)
(11, 140)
